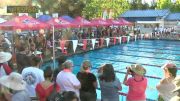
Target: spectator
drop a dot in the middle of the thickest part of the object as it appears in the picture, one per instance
(166, 85)
(61, 60)
(67, 80)
(137, 83)
(45, 88)
(176, 81)
(4, 67)
(70, 96)
(16, 85)
(33, 75)
(109, 83)
(88, 82)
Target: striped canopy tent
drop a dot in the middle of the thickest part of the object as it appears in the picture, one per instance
(125, 22)
(44, 18)
(67, 18)
(81, 22)
(100, 22)
(2, 20)
(24, 23)
(114, 22)
(59, 23)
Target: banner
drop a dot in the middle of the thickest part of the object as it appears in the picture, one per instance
(55, 15)
(135, 37)
(39, 14)
(21, 14)
(75, 42)
(93, 42)
(114, 40)
(107, 41)
(128, 39)
(120, 40)
(142, 36)
(85, 44)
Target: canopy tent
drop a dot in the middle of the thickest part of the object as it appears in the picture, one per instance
(81, 22)
(24, 23)
(44, 18)
(67, 18)
(59, 23)
(100, 22)
(2, 20)
(114, 22)
(124, 22)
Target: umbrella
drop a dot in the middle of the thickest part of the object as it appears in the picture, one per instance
(114, 22)
(67, 18)
(124, 22)
(59, 23)
(79, 21)
(100, 22)
(44, 18)
(24, 23)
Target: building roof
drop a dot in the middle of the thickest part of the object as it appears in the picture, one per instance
(173, 17)
(146, 13)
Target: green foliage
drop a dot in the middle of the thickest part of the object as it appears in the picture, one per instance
(95, 8)
(167, 4)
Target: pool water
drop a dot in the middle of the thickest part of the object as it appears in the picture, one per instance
(152, 54)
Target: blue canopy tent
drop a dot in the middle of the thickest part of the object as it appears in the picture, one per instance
(68, 18)
(44, 18)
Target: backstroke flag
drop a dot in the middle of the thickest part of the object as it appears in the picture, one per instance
(75, 42)
(135, 37)
(93, 42)
(107, 41)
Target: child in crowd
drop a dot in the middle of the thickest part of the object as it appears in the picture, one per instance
(137, 83)
(109, 83)
(45, 88)
(88, 82)
(166, 85)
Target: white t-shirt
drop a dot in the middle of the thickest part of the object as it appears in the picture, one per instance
(32, 76)
(2, 71)
(67, 81)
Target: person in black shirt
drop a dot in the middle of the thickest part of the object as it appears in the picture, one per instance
(88, 82)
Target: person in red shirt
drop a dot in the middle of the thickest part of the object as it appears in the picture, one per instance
(45, 88)
(137, 83)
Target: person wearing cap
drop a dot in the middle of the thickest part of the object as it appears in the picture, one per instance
(88, 82)
(4, 67)
(16, 87)
(67, 80)
(165, 86)
(137, 83)
(109, 83)
(176, 90)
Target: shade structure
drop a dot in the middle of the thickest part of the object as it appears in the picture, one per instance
(125, 22)
(44, 18)
(114, 22)
(67, 18)
(100, 22)
(24, 23)
(2, 20)
(59, 23)
(81, 22)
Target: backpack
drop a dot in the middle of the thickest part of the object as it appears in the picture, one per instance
(55, 96)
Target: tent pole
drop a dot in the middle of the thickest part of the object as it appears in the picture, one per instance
(53, 49)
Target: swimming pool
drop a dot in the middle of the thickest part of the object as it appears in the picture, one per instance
(152, 54)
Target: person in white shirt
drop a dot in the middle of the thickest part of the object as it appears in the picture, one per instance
(33, 75)
(67, 80)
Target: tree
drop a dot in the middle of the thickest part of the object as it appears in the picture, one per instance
(95, 8)
(164, 4)
(176, 6)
